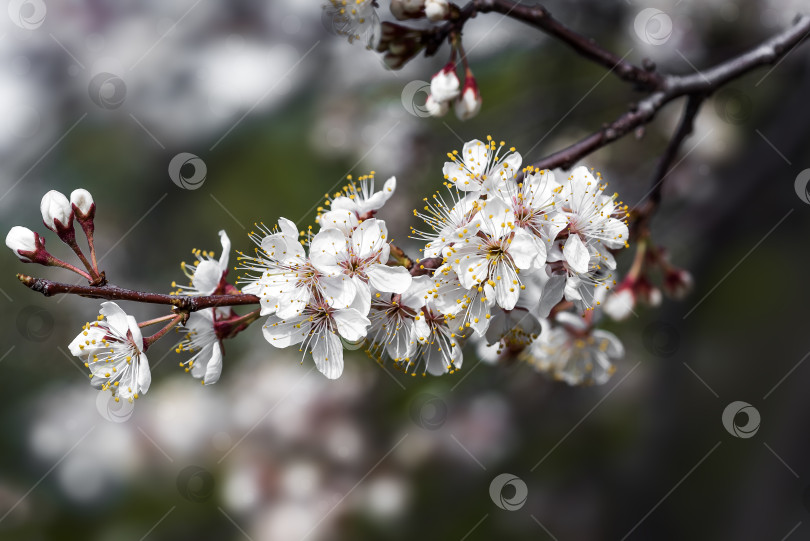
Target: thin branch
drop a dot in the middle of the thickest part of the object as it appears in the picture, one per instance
(703, 83)
(539, 17)
(684, 129)
(111, 292)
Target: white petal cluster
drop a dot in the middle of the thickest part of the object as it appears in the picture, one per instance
(320, 298)
(508, 245)
(573, 353)
(514, 243)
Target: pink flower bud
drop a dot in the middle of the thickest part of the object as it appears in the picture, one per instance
(57, 213)
(470, 101)
(678, 283)
(445, 84)
(647, 292)
(437, 10)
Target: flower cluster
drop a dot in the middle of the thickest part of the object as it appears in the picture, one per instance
(506, 245)
(515, 244)
(322, 298)
(514, 258)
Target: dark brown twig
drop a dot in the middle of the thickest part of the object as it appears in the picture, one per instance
(675, 86)
(111, 292)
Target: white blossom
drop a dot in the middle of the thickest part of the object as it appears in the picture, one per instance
(113, 349)
(206, 274)
(497, 255)
(362, 257)
(572, 352)
(481, 166)
(284, 278)
(319, 329)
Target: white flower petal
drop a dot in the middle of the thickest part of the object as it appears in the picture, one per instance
(144, 374)
(213, 368)
(576, 254)
(328, 355)
(327, 248)
(226, 251)
(116, 317)
(282, 333)
(351, 324)
(389, 279)
(206, 277)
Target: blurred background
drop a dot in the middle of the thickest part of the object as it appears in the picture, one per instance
(275, 111)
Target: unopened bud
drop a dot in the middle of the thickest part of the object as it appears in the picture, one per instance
(470, 101)
(82, 203)
(437, 10)
(408, 9)
(444, 86)
(57, 213)
(26, 244)
(678, 283)
(436, 108)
